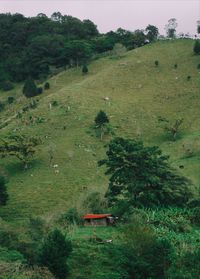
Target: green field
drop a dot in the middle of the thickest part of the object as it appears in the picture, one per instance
(138, 94)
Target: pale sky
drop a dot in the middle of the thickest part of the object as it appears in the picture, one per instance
(112, 14)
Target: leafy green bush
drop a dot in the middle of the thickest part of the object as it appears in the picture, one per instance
(2, 106)
(3, 191)
(11, 256)
(10, 99)
(39, 90)
(156, 63)
(46, 85)
(186, 265)
(6, 85)
(196, 47)
(54, 253)
(54, 103)
(84, 69)
(95, 203)
(148, 256)
(30, 88)
(72, 216)
(8, 238)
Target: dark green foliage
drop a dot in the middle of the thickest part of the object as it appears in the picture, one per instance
(152, 33)
(148, 256)
(2, 106)
(37, 228)
(54, 253)
(95, 203)
(3, 191)
(196, 47)
(84, 69)
(195, 219)
(54, 103)
(156, 63)
(188, 78)
(186, 265)
(198, 66)
(40, 43)
(175, 66)
(39, 90)
(6, 85)
(72, 216)
(46, 85)
(10, 99)
(142, 176)
(8, 238)
(8, 255)
(101, 119)
(20, 146)
(30, 88)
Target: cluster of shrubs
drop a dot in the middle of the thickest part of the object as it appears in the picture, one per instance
(31, 90)
(6, 85)
(36, 251)
(156, 62)
(10, 100)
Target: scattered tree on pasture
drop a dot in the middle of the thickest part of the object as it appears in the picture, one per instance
(30, 88)
(20, 146)
(142, 176)
(46, 85)
(101, 121)
(84, 69)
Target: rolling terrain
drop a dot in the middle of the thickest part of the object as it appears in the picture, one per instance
(138, 92)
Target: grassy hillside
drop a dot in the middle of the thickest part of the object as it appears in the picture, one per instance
(138, 94)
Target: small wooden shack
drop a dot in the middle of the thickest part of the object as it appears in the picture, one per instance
(98, 219)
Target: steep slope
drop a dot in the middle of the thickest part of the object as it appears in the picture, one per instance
(138, 94)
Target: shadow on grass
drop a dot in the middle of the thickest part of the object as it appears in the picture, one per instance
(14, 168)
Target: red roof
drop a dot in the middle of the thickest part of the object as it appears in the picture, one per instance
(96, 216)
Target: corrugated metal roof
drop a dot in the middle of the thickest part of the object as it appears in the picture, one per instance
(96, 216)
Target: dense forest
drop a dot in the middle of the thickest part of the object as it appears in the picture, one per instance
(36, 46)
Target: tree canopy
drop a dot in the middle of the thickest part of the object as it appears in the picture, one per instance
(34, 46)
(54, 253)
(142, 175)
(20, 146)
(171, 28)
